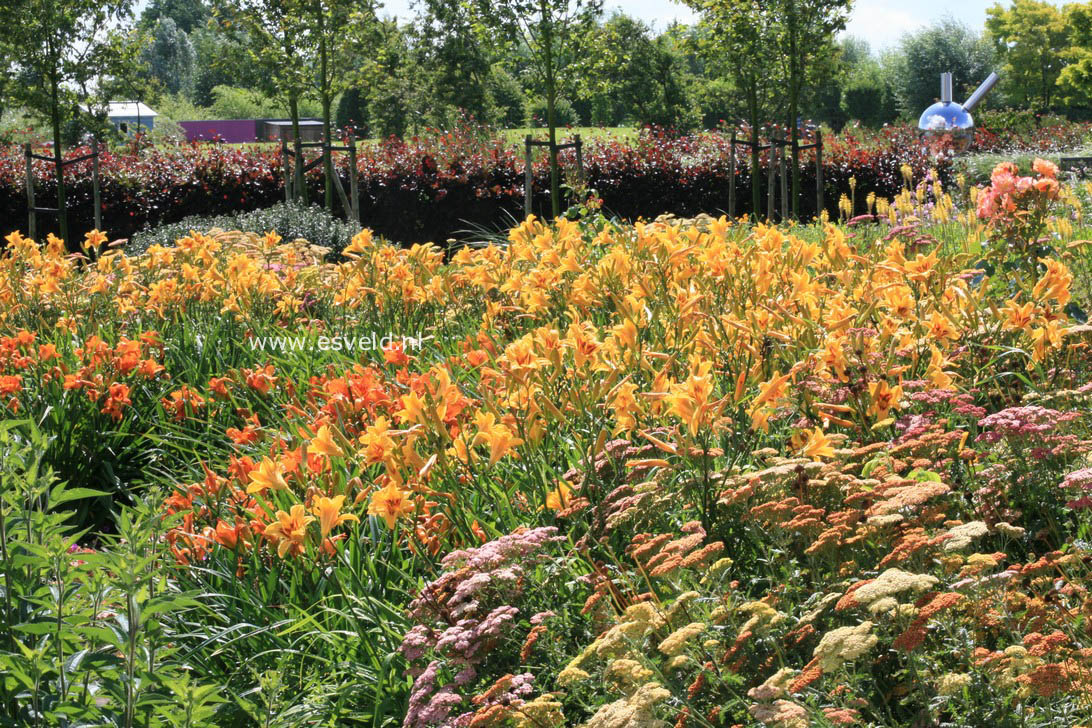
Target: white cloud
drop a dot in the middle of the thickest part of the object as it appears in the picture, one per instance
(881, 24)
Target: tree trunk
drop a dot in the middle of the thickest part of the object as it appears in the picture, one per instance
(294, 114)
(58, 161)
(796, 70)
(324, 87)
(551, 98)
(752, 107)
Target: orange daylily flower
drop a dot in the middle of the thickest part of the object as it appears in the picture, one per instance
(329, 512)
(269, 475)
(391, 503)
(323, 444)
(289, 531)
(818, 445)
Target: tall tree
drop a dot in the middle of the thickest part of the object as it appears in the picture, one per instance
(1075, 79)
(61, 48)
(170, 58)
(456, 57)
(736, 35)
(275, 39)
(1031, 37)
(805, 31)
(186, 14)
(552, 32)
(633, 75)
(340, 33)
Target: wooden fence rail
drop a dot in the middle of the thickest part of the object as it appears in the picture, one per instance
(96, 187)
(776, 169)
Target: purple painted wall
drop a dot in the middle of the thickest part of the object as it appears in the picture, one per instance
(232, 131)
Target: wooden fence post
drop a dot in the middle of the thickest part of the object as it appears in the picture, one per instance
(818, 173)
(580, 158)
(771, 167)
(528, 176)
(96, 190)
(354, 183)
(32, 222)
(732, 177)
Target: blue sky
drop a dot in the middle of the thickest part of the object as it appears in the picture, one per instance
(880, 22)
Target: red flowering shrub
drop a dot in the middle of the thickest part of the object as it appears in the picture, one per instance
(429, 188)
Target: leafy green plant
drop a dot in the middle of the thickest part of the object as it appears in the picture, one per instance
(291, 220)
(84, 638)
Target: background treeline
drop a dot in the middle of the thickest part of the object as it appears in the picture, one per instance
(428, 70)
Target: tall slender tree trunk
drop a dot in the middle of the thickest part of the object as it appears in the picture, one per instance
(796, 71)
(58, 161)
(551, 99)
(752, 108)
(294, 113)
(324, 86)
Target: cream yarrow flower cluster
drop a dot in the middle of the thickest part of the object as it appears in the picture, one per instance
(960, 537)
(676, 642)
(634, 711)
(844, 644)
(892, 582)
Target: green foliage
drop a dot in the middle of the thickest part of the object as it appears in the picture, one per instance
(925, 54)
(289, 220)
(633, 76)
(82, 629)
(61, 49)
(223, 61)
(352, 110)
(868, 99)
(554, 34)
(180, 108)
(1031, 38)
(229, 102)
(1075, 79)
(170, 58)
(507, 96)
(185, 14)
(564, 113)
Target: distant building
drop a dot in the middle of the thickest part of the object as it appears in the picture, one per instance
(274, 130)
(244, 131)
(128, 116)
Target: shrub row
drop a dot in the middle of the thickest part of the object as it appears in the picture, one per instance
(436, 187)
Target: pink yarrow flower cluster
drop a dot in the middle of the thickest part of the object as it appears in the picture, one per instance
(1030, 422)
(1081, 481)
(462, 616)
